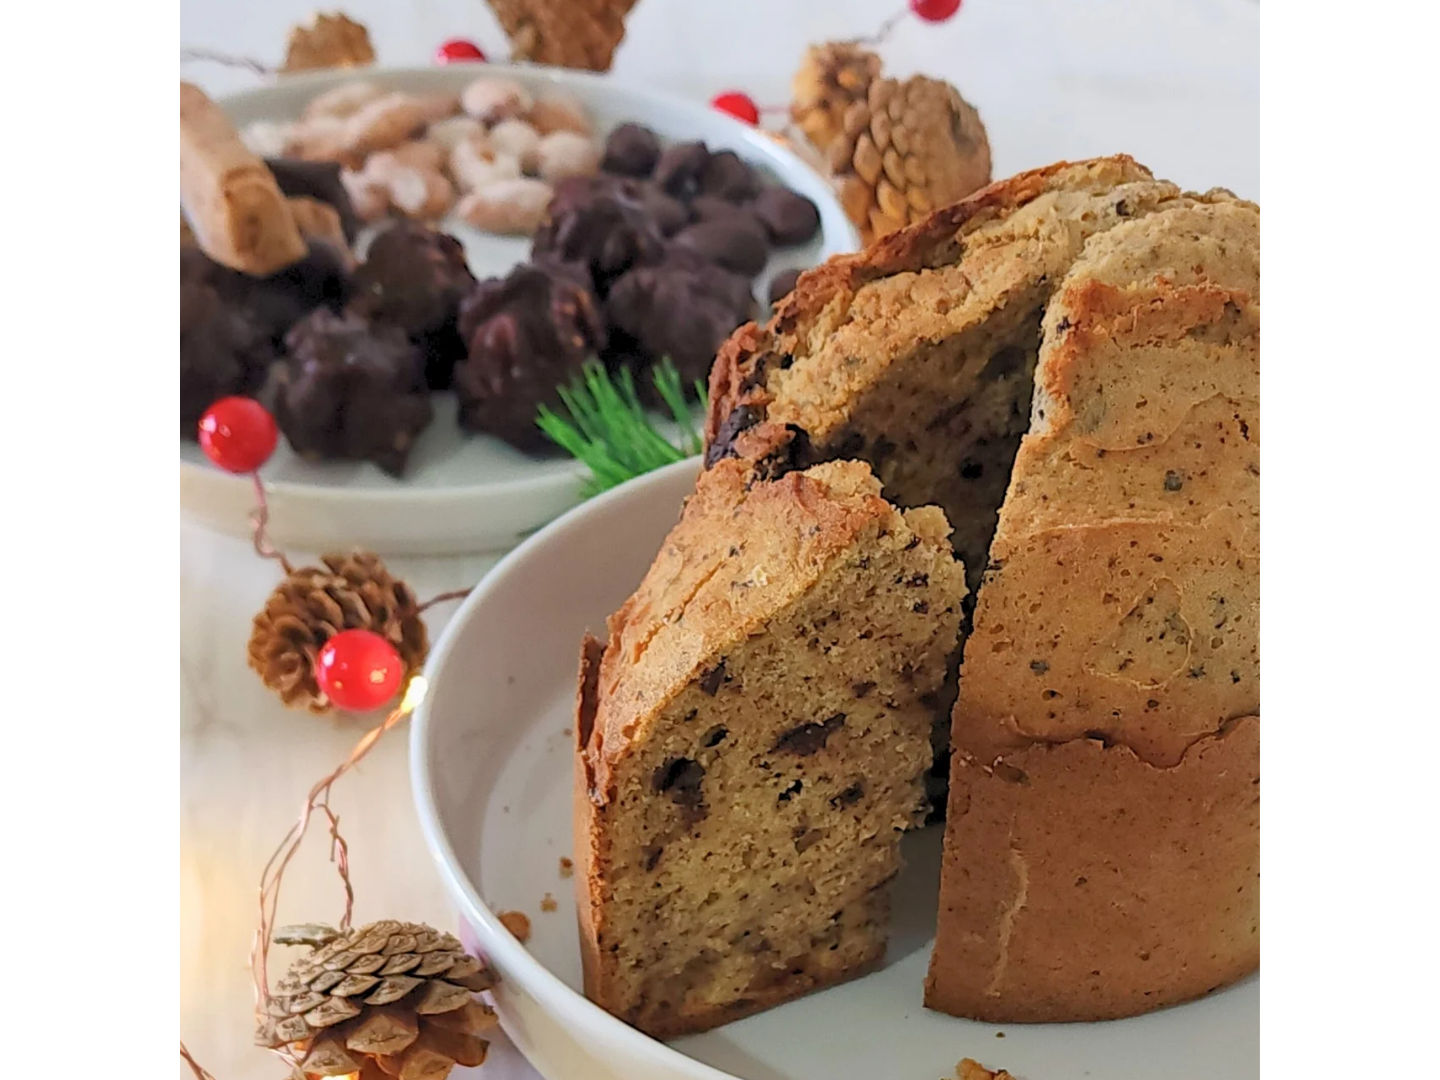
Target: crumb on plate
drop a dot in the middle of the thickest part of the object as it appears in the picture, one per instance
(547, 903)
(567, 868)
(518, 923)
(970, 1069)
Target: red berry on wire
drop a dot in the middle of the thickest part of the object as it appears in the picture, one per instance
(238, 434)
(459, 51)
(358, 670)
(741, 106)
(935, 11)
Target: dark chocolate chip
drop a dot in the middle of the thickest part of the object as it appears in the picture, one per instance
(809, 739)
(715, 736)
(681, 778)
(863, 688)
(1173, 482)
(711, 680)
(850, 796)
(740, 419)
(791, 791)
(1039, 667)
(790, 218)
(631, 150)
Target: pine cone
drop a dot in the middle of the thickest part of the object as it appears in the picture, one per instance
(909, 148)
(329, 41)
(832, 77)
(387, 999)
(350, 592)
(579, 34)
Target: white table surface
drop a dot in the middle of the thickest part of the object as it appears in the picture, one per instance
(1175, 83)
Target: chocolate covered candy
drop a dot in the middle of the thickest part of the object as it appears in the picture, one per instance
(351, 390)
(789, 218)
(631, 150)
(526, 334)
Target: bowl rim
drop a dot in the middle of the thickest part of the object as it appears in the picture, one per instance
(555, 996)
(548, 484)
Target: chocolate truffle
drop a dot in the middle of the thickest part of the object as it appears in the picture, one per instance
(679, 169)
(352, 390)
(630, 150)
(724, 175)
(223, 350)
(789, 218)
(683, 308)
(737, 243)
(413, 277)
(527, 334)
(605, 233)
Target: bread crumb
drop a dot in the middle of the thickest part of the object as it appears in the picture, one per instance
(547, 903)
(567, 732)
(970, 1069)
(567, 868)
(518, 923)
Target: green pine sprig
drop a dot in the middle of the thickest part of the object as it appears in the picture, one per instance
(606, 428)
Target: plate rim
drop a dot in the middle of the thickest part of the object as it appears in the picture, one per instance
(495, 939)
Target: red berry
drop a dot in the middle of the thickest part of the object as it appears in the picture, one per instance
(358, 670)
(935, 11)
(738, 105)
(459, 51)
(238, 434)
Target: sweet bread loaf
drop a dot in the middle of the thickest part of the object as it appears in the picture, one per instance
(1066, 364)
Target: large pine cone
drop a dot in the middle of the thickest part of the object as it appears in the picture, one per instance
(579, 34)
(313, 604)
(387, 999)
(832, 77)
(909, 148)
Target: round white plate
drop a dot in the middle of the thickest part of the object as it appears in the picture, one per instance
(463, 493)
(491, 761)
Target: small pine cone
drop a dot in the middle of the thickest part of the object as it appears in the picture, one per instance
(329, 41)
(313, 604)
(832, 77)
(390, 998)
(580, 34)
(909, 148)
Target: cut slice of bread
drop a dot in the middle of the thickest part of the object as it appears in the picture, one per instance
(752, 743)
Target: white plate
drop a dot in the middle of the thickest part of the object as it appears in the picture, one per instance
(470, 493)
(491, 767)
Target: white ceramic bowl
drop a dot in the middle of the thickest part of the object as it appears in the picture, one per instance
(491, 764)
(470, 493)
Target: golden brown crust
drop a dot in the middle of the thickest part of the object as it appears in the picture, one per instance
(1136, 498)
(1148, 896)
(587, 868)
(738, 378)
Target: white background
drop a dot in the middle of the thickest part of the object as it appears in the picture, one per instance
(1175, 83)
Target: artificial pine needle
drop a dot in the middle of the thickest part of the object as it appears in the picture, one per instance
(606, 428)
